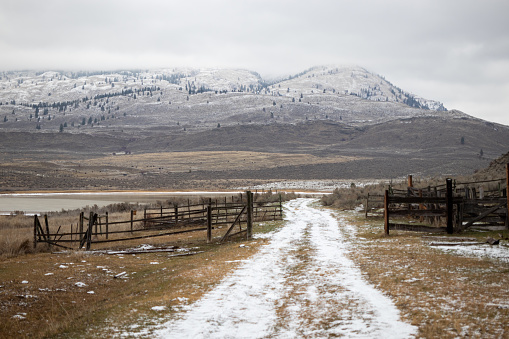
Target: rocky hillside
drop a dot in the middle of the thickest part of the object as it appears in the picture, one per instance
(496, 169)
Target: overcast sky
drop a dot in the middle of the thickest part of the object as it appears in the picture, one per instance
(456, 51)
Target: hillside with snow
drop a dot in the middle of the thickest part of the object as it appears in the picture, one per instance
(349, 123)
(197, 99)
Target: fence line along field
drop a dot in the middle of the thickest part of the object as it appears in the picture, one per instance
(458, 205)
(207, 216)
(123, 224)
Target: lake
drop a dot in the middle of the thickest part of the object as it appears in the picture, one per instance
(31, 203)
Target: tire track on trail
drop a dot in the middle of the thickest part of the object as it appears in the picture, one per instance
(300, 285)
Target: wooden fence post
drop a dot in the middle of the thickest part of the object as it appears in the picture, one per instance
(209, 223)
(449, 205)
(107, 225)
(176, 209)
(507, 194)
(82, 215)
(35, 231)
(47, 229)
(366, 207)
(89, 232)
(132, 218)
(249, 232)
(386, 212)
(280, 206)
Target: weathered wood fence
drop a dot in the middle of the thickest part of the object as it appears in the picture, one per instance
(237, 217)
(452, 207)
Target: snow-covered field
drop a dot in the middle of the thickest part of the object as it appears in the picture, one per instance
(301, 284)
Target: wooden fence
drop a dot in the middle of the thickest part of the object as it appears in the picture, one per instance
(237, 217)
(452, 207)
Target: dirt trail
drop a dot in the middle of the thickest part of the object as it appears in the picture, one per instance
(301, 284)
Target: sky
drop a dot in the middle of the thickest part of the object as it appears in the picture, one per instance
(452, 51)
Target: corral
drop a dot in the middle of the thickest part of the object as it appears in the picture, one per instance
(210, 216)
(452, 207)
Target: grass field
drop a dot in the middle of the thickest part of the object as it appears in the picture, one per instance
(166, 170)
(444, 294)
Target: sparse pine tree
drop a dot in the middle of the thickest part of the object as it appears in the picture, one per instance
(61, 128)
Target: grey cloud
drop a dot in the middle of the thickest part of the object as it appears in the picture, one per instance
(451, 44)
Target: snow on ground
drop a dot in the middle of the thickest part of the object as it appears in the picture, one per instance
(497, 252)
(299, 285)
(313, 185)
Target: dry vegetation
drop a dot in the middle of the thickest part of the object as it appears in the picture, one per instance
(16, 230)
(75, 293)
(445, 295)
(185, 161)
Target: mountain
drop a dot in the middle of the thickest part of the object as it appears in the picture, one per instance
(348, 122)
(200, 99)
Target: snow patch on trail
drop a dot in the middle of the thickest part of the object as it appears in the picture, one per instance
(299, 285)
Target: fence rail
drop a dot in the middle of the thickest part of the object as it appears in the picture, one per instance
(157, 222)
(458, 206)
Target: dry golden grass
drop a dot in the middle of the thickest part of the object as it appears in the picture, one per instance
(445, 295)
(50, 304)
(206, 161)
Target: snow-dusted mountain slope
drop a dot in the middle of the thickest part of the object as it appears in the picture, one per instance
(356, 81)
(196, 99)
